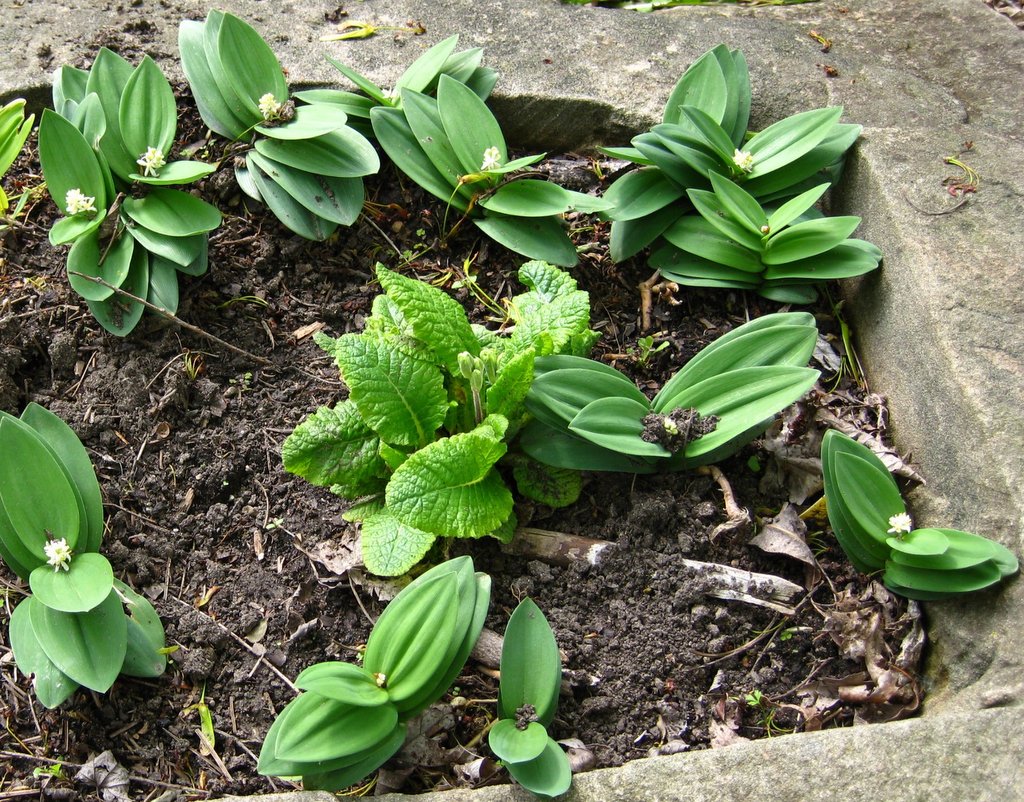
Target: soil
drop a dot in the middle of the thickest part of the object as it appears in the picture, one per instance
(185, 436)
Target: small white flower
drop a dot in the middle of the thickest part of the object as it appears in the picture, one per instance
(900, 523)
(269, 107)
(151, 161)
(743, 159)
(58, 554)
(380, 679)
(492, 159)
(77, 202)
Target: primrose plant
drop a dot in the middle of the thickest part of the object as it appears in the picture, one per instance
(106, 157)
(351, 719)
(589, 416)
(73, 630)
(14, 130)
(531, 677)
(871, 523)
(433, 403)
(303, 161)
(703, 135)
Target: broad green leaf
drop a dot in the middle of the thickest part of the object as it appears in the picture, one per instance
(692, 149)
(695, 271)
(344, 682)
(548, 774)
(907, 580)
(793, 209)
(535, 237)
(821, 163)
(436, 320)
(309, 122)
(560, 449)
(528, 197)
(712, 133)
(629, 237)
(73, 457)
(804, 240)
(172, 213)
(697, 236)
(163, 284)
(469, 124)
(556, 487)
(143, 657)
(288, 210)
(851, 257)
(789, 139)
(677, 169)
(531, 668)
(321, 729)
(201, 261)
(69, 229)
(342, 153)
(52, 686)
(362, 82)
(353, 105)
(217, 111)
(702, 86)
(743, 207)
(147, 114)
(641, 193)
(118, 314)
(616, 423)
(36, 495)
(450, 487)
(89, 119)
(514, 745)
(68, 89)
(563, 386)
(84, 257)
(85, 584)
(788, 293)
(68, 162)
(425, 70)
(424, 121)
(248, 66)
(737, 78)
(335, 447)
(176, 172)
(339, 200)
(107, 79)
(183, 251)
(400, 396)
(718, 216)
(368, 762)
(88, 647)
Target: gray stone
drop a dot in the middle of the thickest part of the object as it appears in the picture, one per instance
(939, 328)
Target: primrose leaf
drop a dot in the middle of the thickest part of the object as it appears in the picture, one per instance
(400, 396)
(390, 547)
(435, 319)
(507, 395)
(555, 305)
(450, 487)
(335, 448)
(556, 487)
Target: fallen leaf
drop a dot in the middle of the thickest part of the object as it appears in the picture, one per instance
(476, 772)
(785, 534)
(795, 447)
(890, 458)
(338, 555)
(107, 776)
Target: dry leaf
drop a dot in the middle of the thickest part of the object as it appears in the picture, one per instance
(785, 534)
(890, 458)
(107, 776)
(303, 332)
(338, 555)
(476, 772)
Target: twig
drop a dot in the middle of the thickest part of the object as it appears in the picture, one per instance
(939, 213)
(173, 318)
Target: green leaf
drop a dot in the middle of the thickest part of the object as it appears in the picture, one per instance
(616, 424)
(554, 306)
(424, 121)
(36, 495)
(88, 647)
(322, 729)
(556, 487)
(362, 82)
(176, 172)
(339, 200)
(469, 124)
(52, 686)
(390, 547)
(335, 447)
(641, 193)
(342, 153)
(85, 584)
(531, 668)
(288, 210)
(400, 396)
(514, 745)
(789, 139)
(68, 89)
(182, 251)
(107, 79)
(73, 457)
(712, 133)
(558, 448)
(222, 113)
(542, 238)
(436, 320)
(247, 65)
(450, 487)
(821, 163)
(807, 239)
(172, 213)
(743, 207)
(697, 236)
(343, 682)
(68, 162)
(564, 385)
(309, 122)
(528, 197)
(548, 774)
(718, 216)
(85, 256)
(851, 257)
(147, 114)
(353, 105)
(117, 314)
(795, 208)
(163, 284)
(507, 394)
(908, 581)
(368, 762)
(425, 70)
(702, 86)
(69, 229)
(629, 237)
(143, 657)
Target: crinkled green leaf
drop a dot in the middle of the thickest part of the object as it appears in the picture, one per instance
(554, 305)
(556, 487)
(391, 548)
(335, 447)
(507, 395)
(450, 487)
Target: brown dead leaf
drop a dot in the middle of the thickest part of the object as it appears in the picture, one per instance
(785, 534)
(338, 555)
(725, 723)
(890, 458)
(795, 445)
(476, 772)
(303, 332)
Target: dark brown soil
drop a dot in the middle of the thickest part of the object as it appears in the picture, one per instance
(185, 437)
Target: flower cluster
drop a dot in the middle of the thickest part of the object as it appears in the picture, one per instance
(77, 202)
(269, 107)
(743, 159)
(492, 159)
(151, 161)
(58, 554)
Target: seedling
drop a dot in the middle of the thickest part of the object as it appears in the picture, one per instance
(645, 349)
(14, 130)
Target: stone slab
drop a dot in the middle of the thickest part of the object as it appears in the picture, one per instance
(939, 328)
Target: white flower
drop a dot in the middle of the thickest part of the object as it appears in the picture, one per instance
(151, 161)
(743, 159)
(58, 554)
(77, 202)
(492, 159)
(900, 523)
(269, 107)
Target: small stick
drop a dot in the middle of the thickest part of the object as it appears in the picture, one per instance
(173, 318)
